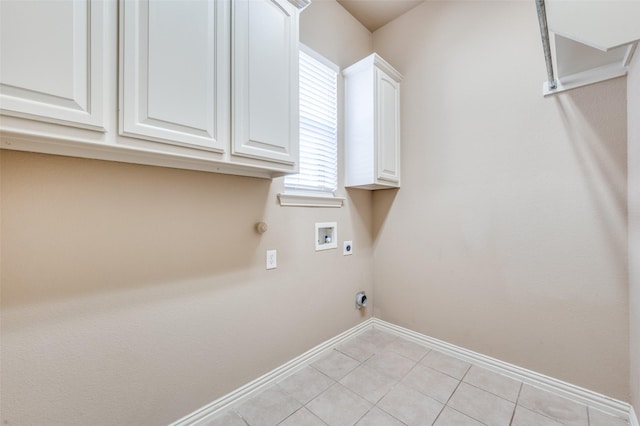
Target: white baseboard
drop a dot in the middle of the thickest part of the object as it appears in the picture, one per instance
(567, 390)
(633, 419)
(558, 387)
(208, 412)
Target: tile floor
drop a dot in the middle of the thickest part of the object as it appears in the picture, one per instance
(378, 378)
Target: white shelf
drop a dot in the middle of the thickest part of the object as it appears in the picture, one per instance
(603, 25)
(593, 40)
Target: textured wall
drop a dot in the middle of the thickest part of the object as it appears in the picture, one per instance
(509, 234)
(633, 117)
(135, 295)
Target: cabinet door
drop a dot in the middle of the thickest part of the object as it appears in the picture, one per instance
(52, 61)
(265, 80)
(174, 78)
(388, 127)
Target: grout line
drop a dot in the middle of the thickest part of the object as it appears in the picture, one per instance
(365, 413)
(490, 393)
(285, 419)
(388, 413)
(466, 415)
(452, 393)
(439, 414)
(515, 407)
(451, 396)
(242, 418)
(519, 392)
(319, 419)
(466, 372)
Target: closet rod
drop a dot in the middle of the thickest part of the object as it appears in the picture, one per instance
(544, 33)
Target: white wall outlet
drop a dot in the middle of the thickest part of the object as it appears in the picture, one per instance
(326, 235)
(347, 248)
(272, 259)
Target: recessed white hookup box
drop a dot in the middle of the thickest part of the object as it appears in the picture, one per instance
(326, 235)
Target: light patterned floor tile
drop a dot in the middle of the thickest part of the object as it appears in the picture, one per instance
(451, 417)
(598, 418)
(550, 405)
(526, 417)
(410, 406)
(446, 364)
(482, 405)
(377, 417)
(407, 349)
(302, 417)
(336, 365)
(391, 364)
(503, 386)
(369, 383)
(228, 419)
(268, 408)
(411, 386)
(358, 349)
(306, 384)
(338, 406)
(430, 382)
(377, 337)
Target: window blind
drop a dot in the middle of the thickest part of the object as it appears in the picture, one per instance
(318, 126)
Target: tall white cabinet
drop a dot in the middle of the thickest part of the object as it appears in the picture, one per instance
(198, 84)
(372, 120)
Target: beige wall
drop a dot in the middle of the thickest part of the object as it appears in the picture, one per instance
(633, 117)
(509, 234)
(135, 295)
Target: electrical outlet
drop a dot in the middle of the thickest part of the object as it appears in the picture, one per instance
(347, 248)
(272, 259)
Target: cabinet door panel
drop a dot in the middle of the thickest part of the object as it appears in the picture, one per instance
(174, 76)
(52, 61)
(265, 79)
(388, 128)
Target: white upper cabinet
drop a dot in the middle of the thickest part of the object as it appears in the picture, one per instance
(52, 61)
(372, 120)
(174, 72)
(265, 80)
(206, 85)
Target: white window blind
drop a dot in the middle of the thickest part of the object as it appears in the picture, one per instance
(318, 125)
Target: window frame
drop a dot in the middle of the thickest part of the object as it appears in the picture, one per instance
(317, 198)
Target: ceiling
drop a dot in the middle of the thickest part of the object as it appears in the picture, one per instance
(373, 14)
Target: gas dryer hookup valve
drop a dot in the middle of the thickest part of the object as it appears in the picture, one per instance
(361, 300)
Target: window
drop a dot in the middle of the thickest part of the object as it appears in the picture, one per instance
(318, 128)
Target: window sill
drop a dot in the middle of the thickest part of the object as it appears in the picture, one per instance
(309, 200)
